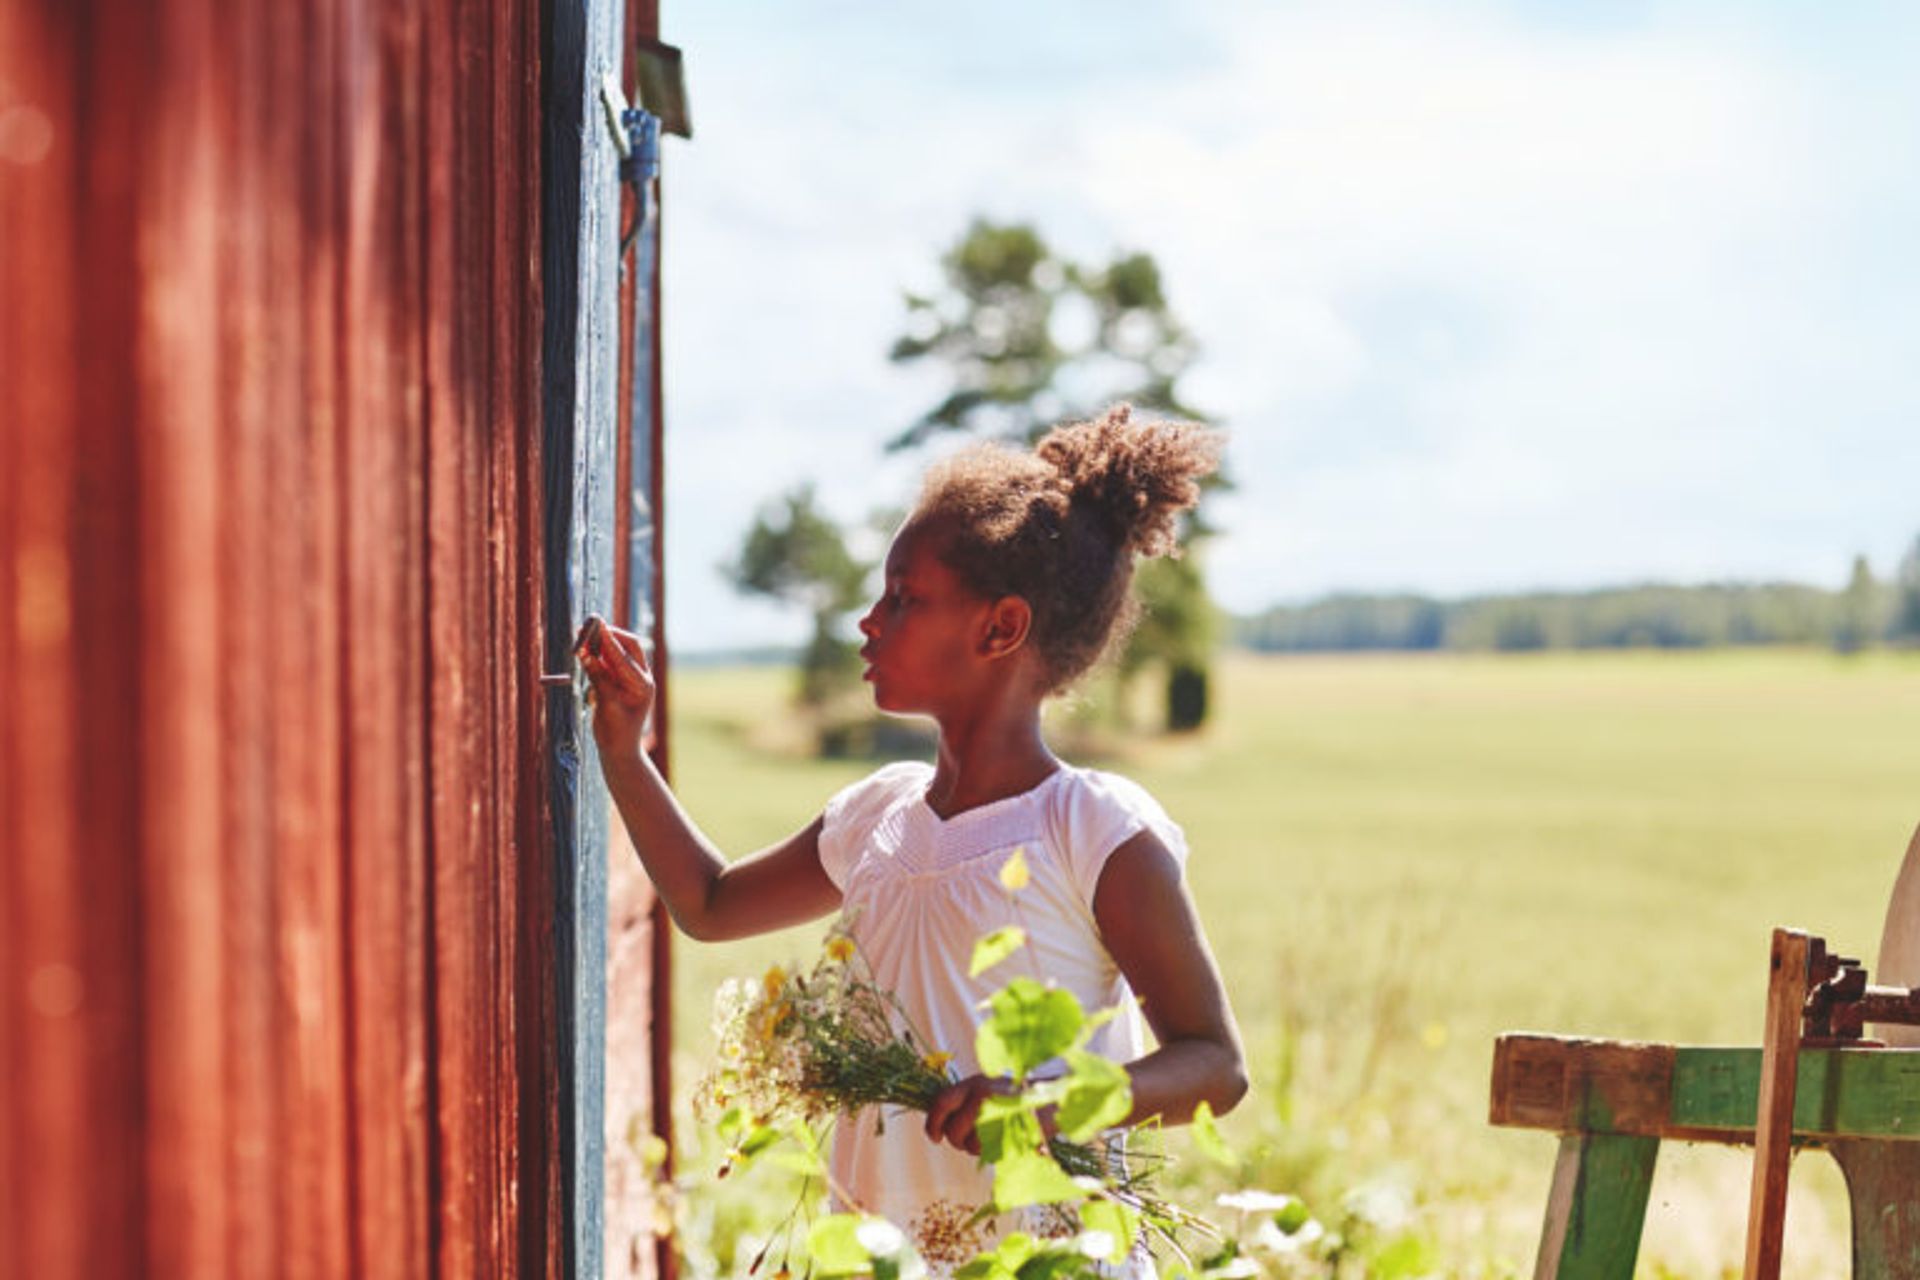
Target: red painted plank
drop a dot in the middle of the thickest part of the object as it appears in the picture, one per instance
(64, 1102)
(112, 58)
(383, 585)
(249, 397)
(278, 943)
(180, 604)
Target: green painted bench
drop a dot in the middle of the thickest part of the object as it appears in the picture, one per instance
(1613, 1101)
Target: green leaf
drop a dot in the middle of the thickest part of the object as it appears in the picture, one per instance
(1097, 1096)
(1059, 1260)
(761, 1137)
(1206, 1136)
(995, 947)
(1027, 1177)
(1006, 1124)
(1028, 1024)
(804, 1163)
(1014, 1250)
(1410, 1255)
(1094, 1021)
(833, 1244)
(1292, 1217)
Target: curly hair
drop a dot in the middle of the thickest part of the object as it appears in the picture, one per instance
(1059, 525)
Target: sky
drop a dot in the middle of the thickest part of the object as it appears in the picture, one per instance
(1489, 296)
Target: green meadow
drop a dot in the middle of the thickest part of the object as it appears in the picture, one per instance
(1398, 858)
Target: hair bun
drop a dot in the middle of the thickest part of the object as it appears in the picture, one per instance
(1137, 476)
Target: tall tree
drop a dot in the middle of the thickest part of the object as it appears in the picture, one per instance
(1031, 338)
(1906, 617)
(795, 553)
(1856, 626)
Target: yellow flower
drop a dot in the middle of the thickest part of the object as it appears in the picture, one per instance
(939, 1061)
(1013, 873)
(840, 947)
(775, 979)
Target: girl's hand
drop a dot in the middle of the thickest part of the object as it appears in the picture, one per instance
(954, 1116)
(622, 689)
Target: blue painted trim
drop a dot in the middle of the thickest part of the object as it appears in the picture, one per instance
(580, 202)
(640, 528)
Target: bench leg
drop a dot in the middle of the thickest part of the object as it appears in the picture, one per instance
(1883, 1184)
(1596, 1207)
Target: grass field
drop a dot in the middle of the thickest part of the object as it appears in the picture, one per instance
(1398, 858)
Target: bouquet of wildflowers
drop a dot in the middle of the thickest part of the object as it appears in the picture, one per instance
(808, 1046)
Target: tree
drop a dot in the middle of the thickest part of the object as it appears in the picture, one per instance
(1855, 627)
(796, 554)
(1031, 338)
(1179, 626)
(1906, 617)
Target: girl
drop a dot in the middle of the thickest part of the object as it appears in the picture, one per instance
(1007, 582)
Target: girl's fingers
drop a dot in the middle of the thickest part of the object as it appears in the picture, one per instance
(608, 653)
(627, 659)
(955, 1114)
(583, 642)
(631, 647)
(949, 1102)
(937, 1115)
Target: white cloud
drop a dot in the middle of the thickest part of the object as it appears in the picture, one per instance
(1486, 304)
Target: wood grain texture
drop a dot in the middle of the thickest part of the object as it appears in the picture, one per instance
(1570, 1085)
(1596, 1207)
(278, 919)
(1861, 1104)
(1787, 984)
(582, 44)
(639, 935)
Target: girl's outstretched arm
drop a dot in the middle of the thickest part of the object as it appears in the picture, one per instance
(1148, 923)
(709, 898)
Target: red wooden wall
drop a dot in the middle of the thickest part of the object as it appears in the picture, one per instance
(275, 934)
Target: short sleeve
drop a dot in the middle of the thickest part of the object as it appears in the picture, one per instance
(850, 816)
(1098, 812)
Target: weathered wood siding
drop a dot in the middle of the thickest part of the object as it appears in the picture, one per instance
(639, 1013)
(282, 991)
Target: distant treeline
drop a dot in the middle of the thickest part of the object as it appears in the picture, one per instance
(1863, 614)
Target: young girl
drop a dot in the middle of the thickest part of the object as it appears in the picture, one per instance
(1009, 580)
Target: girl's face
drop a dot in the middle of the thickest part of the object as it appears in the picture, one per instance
(922, 634)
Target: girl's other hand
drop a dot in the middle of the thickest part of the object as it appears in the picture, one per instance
(622, 689)
(954, 1116)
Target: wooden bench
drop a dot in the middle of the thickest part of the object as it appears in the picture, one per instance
(1613, 1102)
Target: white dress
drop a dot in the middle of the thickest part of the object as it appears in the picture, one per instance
(918, 892)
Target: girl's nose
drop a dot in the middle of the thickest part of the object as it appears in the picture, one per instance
(868, 627)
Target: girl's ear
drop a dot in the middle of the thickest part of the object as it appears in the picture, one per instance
(1008, 622)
